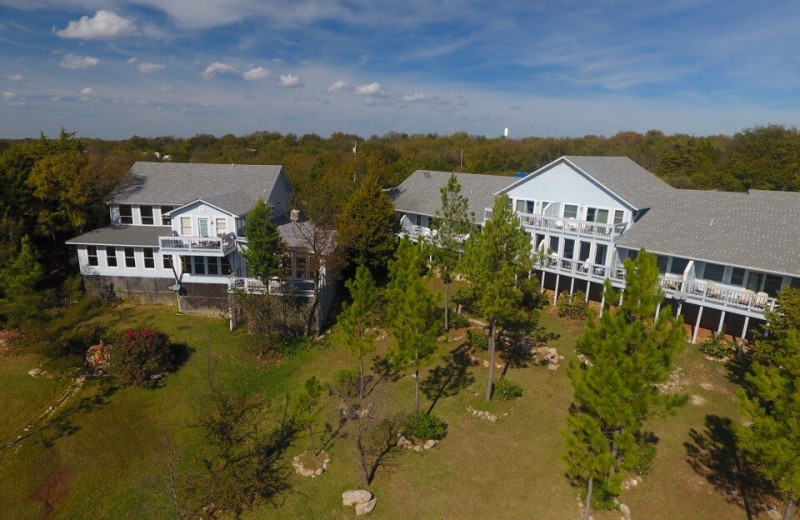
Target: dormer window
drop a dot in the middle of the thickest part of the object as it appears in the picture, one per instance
(147, 215)
(165, 219)
(125, 214)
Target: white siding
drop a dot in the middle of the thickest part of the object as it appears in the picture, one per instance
(200, 210)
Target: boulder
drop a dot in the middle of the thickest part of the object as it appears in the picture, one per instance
(626, 511)
(430, 443)
(356, 496)
(36, 372)
(774, 514)
(366, 507)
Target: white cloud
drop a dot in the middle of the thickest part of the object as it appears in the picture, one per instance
(104, 25)
(337, 86)
(290, 80)
(257, 73)
(8, 95)
(73, 61)
(133, 60)
(369, 90)
(168, 88)
(148, 68)
(55, 98)
(88, 91)
(15, 77)
(217, 68)
(417, 97)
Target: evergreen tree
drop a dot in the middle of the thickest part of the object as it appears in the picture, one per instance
(412, 310)
(452, 224)
(368, 226)
(497, 263)
(629, 351)
(20, 303)
(263, 253)
(781, 321)
(770, 402)
(588, 455)
(359, 319)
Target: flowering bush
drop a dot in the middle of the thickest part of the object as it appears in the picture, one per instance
(139, 356)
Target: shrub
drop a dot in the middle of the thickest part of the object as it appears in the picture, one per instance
(573, 307)
(138, 356)
(458, 321)
(505, 389)
(478, 339)
(346, 382)
(717, 345)
(425, 427)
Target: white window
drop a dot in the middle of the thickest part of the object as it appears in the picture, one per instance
(111, 256)
(125, 214)
(147, 215)
(167, 261)
(149, 259)
(737, 276)
(222, 226)
(165, 220)
(619, 215)
(130, 258)
(713, 272)
(570, 211)
(186, 226)
(91, 252)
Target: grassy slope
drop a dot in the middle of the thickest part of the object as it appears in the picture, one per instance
(103, 457)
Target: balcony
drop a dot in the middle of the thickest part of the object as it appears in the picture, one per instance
(583, 269)
(568, 226)
(208, 246)
(297, 287)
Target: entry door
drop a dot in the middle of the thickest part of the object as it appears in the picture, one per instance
(202, 225)
(583, 254)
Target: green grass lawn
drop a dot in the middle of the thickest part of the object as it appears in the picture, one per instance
(102, 454)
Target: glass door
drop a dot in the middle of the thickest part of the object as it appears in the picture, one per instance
(202, 225)
(754, 281)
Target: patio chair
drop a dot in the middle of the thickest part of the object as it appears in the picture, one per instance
(761, 299)
(747, 297)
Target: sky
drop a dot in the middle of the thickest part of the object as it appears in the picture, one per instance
(117, 68)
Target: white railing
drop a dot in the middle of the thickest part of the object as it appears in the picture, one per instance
(567, 226)
(298, 287)
(582, 268)
(190, 244)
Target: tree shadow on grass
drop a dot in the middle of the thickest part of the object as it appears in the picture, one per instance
(714, 454)
(385, 371)
(448, 379)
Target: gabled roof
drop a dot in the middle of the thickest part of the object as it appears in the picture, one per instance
(621, 176)
(420, 193)
(146, 236)
(758, 230)
(233, 187)
(221, 205)
(301, 235)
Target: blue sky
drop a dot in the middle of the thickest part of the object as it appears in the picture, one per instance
(115, 68)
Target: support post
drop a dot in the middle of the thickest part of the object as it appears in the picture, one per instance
(543, 275)
(744, 334)
(621, 295)
(572, 286)
(658, 310)
(680, 306)
(697, 325)
(558, 280)
(721, 322)
(603, 302)
(588, 290)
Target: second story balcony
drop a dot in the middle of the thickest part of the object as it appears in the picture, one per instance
(568, 226)
(207, 246)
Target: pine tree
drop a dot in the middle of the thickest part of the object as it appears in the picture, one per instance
(629, 351)
(452, 224)
(368, 225)
(263, 253)
(359, 319)
(497, 263)
(783, 319)
(20, 303)
(770, 402)
(588, 455)
(411, 311)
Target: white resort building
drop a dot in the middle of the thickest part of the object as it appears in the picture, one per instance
(723, 256)
(177, 228)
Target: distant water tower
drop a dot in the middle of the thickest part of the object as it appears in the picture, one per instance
(505, 133)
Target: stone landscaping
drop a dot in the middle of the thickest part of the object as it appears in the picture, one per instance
(307, 465)
(405, 442)
(363, 500)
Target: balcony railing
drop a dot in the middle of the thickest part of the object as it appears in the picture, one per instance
(582, 268)
(297, 287)
(568, 226)
(191, 244)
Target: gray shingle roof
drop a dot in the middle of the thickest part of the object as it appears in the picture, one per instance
(759, 230)
(300, 235)
(420, 192)
(625, 178)
(123, 236)
(176, 184)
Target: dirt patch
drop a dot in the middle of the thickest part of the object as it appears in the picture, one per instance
(697, 400)
(7, 340)
(53, 490)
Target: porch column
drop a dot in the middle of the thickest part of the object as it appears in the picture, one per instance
(572, 286)
(680, 306)
(721, 322)
(658, 310)
(621, 295)
(543, 275)
(558, 279)
(744, 333)
(588, 290)
(603, 302)
(697, 325)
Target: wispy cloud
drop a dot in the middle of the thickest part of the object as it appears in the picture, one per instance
(338, 86)
(217, 68)
(15, 77)
(256, 74)
(145, 67)
(370, 89)
(73, 61)
(417, 97)
(104, 25)
(291, 80)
